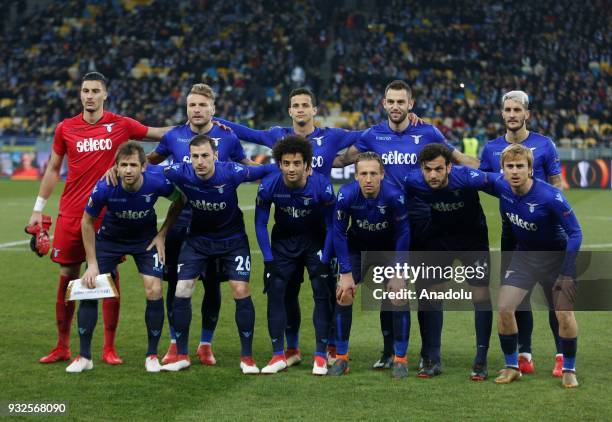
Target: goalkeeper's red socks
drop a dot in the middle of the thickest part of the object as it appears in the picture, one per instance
(64, 311)
(110, 314)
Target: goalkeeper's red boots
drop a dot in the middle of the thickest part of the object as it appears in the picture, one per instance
(171, 356)
(109, 355)
(59, 354)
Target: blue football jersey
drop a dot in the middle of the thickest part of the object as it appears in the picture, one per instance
(326, 142)
(541, 220)
(399, 150)
(175, 144)
(545, 156)
(455, 209)
(376, 224)
(214, 202)
(305, 211)
(130, 216)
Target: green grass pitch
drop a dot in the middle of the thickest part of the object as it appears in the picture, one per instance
(222, 392)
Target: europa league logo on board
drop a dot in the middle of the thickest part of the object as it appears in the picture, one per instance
(586, 174)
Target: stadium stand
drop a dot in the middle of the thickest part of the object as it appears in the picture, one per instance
(254, 52)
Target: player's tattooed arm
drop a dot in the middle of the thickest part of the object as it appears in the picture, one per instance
(556, 180)
(159, 241)
(89, 242)
(348, 157)
(49, 180)
(465, 160)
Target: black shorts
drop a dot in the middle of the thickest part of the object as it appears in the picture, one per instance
(199, 254)
(109, 254)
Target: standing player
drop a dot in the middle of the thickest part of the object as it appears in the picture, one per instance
(326, 143)
(398, 144)
(457, 224)
(216, 231)
(541, 220)
(89, 140)
(129, 228)
(515, 113)
(379, 221)
(301, 237)
(175, 144)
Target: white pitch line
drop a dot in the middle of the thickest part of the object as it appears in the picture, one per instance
(25, 242)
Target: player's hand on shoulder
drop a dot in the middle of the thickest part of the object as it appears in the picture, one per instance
(415, 120)
(222, 126)
(89, 278)
(111, 176)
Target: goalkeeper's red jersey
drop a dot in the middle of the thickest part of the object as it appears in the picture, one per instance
(90, 149)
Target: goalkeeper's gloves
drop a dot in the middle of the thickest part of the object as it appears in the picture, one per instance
(40, 242)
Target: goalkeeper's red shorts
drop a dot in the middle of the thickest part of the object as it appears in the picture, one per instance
(68, 246)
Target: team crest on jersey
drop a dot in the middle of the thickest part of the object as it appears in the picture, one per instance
(219, 188)
(340, 196)
(90, 203)
(216, 141)
(108, 126)
(238, 168)
(401, 199)
(559, 198)
(329, 190)
(532, 207)
(319, 139)
(417, 138)
(340, 215)
(382, 209)
(147, 197)
(306, 200)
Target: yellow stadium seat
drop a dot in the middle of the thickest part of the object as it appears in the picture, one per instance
(7, 102)
(5, 122)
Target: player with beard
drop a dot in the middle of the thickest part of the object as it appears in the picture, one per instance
(89, 140)
(175, 144)
(515, 113)
(301, 238)
(458, 229)
(326, 143)
(216, 231)
(398, 143)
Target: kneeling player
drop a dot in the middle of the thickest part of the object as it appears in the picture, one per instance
(216, 231)
(541, 220)
(379, 222)
(301, 237)
(129, 228)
